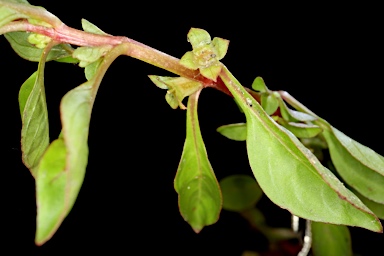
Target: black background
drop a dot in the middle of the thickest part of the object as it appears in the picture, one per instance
(329, 59)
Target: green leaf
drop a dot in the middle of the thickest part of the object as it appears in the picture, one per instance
(269, 102)
(360, 167)
(301, 130)
(328, 239)
(8, 14)
(259, 85)
(91, 69)
(221, 46)
(51, 182)
(91, 28)
(290, 175)
(199, 192)
(240, 192)
(189, 61)
(234, 131)
(377, 208)
(87, 55)
(75, 109)
(198, 37)
(19, 43)
(211, 72)
(293, 115)
(34, 116)
(179, 88)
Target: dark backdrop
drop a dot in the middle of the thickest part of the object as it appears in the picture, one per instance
(329, 59)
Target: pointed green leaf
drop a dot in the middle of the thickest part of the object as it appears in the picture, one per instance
(211, 72)
(75, 109)
(91, 28)
(221, 47)
(360, 167)
(377, 208)
(159, 81)
(240, 192)
(171, 100)
(269, 102)
(50, 191)
(301, 130)
(198, 37)
(234, 131)
(259, 85)
(199, 193)
(87, 55)
(34, 116)
(90, 70)
(19, 43)
(290, 175)
(329, 239)
(188, 60)
(293, 115)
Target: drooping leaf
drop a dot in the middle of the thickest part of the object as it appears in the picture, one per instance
(199, 193)
(240, 192)
(19, 43)
(75, 108)
(329, 239)
(290, 175)
(50, 191)
(91, 28)
(361, 167)
(301, 130)
(234, 131)
(90, 70)
(34, 116)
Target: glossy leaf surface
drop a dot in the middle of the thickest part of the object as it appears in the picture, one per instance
(199, 193)
(361, 167)
(290, 175)
(234, 131)
(329, 239)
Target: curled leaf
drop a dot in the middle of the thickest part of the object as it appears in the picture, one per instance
(199, 192)
(87, 55)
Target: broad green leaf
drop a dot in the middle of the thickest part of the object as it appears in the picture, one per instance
(234, 131)
(329, 239)
(211, 72)
(301, 130)
(19, 43)
(50, 191)
(34, 116)
(377, 208)
(199, 193)
(290, 175)
(269, 102)
(171, 100)
(189, 61)
(91, 28)
(87, 55)
(221, 46)
(360, 167)
(75, 108)
(293, 115)
(259, 85)
(240, 192)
